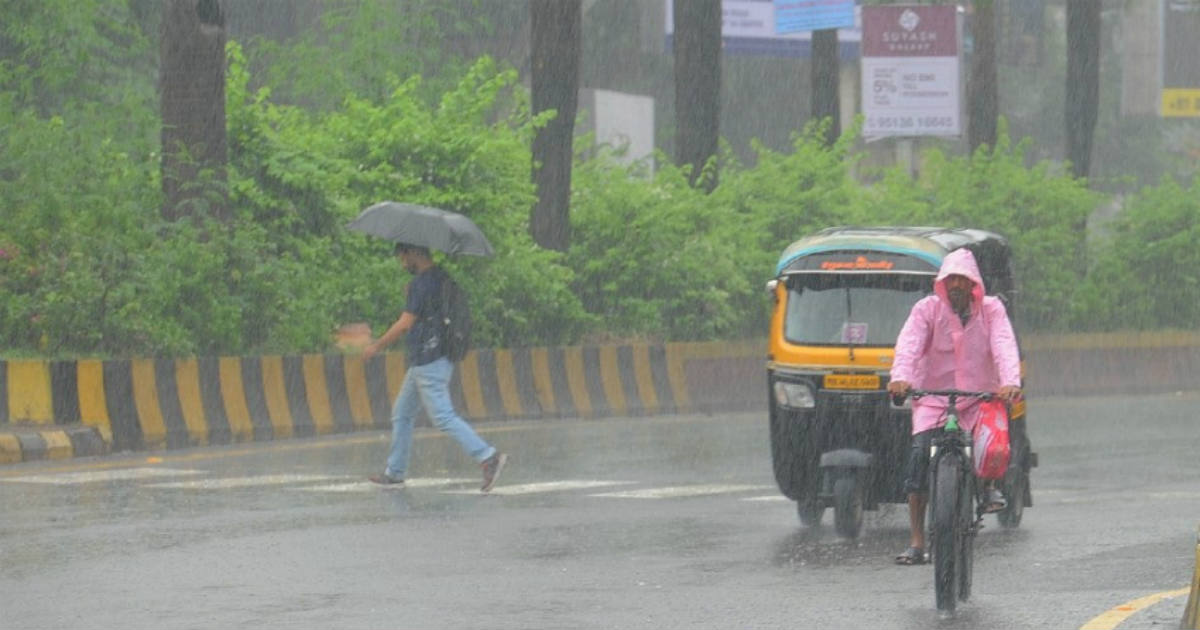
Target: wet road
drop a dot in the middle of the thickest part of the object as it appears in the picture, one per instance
(638, 523)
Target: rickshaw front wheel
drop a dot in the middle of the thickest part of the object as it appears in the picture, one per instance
(810, 511)
(848, 506)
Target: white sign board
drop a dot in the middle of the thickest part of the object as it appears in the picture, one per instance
(910, 71)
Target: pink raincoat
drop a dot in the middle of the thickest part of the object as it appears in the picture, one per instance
(936, 351)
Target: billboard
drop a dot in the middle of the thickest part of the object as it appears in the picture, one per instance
(749, 27)
(813, 15)
(1180, 52)
(910, 71)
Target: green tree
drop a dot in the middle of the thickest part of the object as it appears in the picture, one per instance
(983, 93)
(697, 47)
(555, 31)
(192, 84)
(1083, 82)
(825, 65)
(1144, 276)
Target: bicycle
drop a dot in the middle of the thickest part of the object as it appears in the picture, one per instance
(956, 514)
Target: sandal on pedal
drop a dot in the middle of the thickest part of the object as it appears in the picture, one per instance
(995, 501)
(911, 556)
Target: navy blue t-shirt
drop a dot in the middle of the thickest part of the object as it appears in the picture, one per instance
(423, 340)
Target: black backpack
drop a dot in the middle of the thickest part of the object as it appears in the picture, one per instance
(454, 319)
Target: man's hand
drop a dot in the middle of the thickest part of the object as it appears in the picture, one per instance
(1009, 393)
(898, 388)
(371, 350)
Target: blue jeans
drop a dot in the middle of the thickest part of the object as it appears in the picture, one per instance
(428, 385)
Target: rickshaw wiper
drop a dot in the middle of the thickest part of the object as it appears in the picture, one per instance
(849, 319)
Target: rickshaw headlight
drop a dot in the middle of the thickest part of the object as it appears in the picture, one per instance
(797, 395)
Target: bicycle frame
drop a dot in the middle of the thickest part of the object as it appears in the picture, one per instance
(956, 513)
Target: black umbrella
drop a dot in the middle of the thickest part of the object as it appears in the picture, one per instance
(423, 226)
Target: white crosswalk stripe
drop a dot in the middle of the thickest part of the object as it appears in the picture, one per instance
(367, 486)
(222, 483)
(66, 479)
(679, 491)
(305, 482)
(548, 486)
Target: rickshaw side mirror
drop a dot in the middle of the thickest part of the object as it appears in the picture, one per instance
(772, 284)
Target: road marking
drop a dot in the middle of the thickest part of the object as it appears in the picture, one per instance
(679, 491)
(64, 479)
(1114, 617)
(222, 483)
(770, 497)
(548, 486)
(368, 486)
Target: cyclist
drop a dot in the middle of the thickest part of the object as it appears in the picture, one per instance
(957, 338)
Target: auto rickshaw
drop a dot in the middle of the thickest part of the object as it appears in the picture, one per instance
(841, 297)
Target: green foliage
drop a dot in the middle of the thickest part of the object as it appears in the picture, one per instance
(302, 176)
(89, 267)
(647, 253)
(57, 54)
(373, 45)
(1041, 211)
(1145, 277)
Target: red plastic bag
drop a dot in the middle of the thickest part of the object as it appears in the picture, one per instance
(991, 440)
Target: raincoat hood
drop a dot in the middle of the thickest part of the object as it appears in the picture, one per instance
(961, 262)
(937, 350)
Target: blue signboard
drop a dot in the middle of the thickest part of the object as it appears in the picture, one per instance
(748, 27)
(792, 16)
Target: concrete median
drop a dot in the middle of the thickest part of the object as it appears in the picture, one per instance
(146, 404)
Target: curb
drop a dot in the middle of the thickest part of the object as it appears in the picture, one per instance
(1191, 612)
(30, 443)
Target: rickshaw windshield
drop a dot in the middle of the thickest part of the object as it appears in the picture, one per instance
(844, 309)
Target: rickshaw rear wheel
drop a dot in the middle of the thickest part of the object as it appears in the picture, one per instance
(1014, 492)
(810, 511)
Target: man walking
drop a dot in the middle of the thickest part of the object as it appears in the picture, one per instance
(427, 380)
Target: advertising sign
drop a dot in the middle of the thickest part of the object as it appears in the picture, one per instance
(813, 15)
(749, 27)
(910, 71)
(1181, 50)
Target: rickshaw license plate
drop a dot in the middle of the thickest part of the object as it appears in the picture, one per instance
(851, 381)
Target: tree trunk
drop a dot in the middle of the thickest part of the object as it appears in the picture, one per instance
(192, 84)
(1083, 81)
(826, 65)
(984, 98)
(697, 84)
(555, 27)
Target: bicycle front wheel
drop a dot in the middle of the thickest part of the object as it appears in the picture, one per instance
(966, 534)
(947, 540)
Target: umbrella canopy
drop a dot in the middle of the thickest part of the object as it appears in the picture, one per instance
(443, 230)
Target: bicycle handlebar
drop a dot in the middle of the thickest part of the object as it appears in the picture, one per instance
(956, 393)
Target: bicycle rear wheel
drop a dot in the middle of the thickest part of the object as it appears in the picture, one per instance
(947, 543)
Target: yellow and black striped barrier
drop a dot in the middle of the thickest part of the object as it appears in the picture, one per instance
(174, 403)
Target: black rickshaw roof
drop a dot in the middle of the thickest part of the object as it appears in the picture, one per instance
(892, 249)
